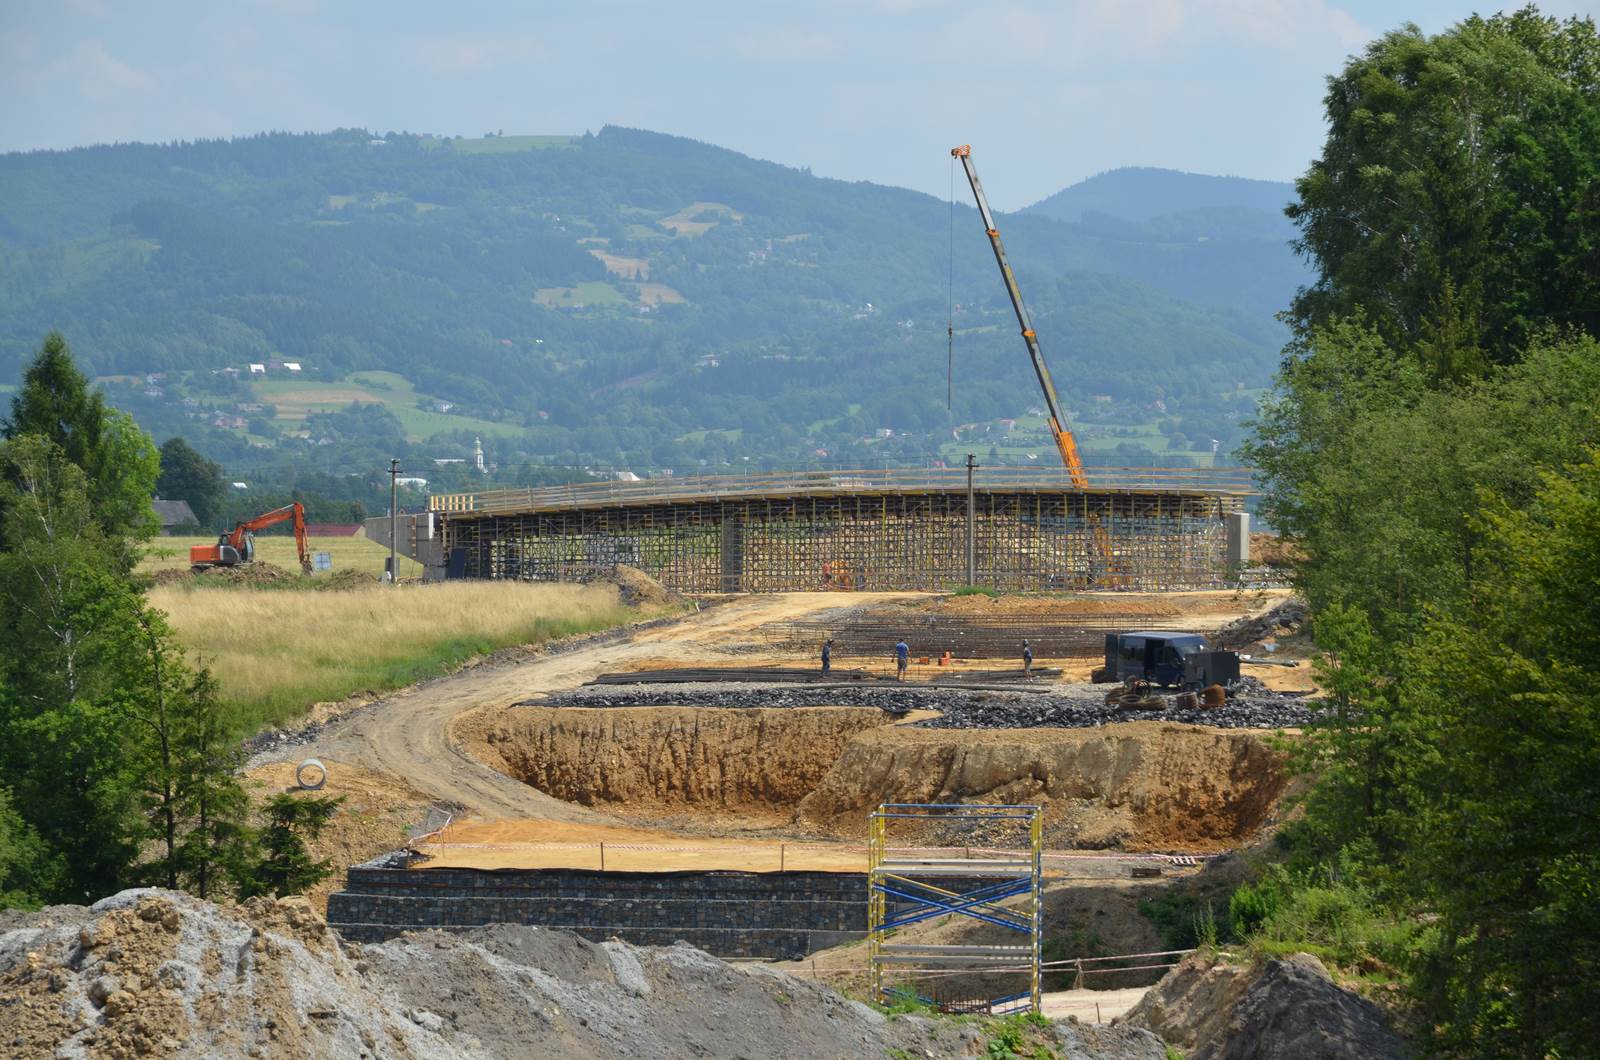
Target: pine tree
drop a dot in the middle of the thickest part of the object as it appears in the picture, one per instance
(288, 867)
(119, 461)
(210, 797)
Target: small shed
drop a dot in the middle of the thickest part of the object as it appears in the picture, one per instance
(173, 514)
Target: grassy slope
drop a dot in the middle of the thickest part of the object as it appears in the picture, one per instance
(294, 399)
(277, 653)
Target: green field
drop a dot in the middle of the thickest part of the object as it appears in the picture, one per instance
(295, 399)
(588, 293)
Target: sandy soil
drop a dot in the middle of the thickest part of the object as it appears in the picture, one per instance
(409, 735)
(425, 744)
(1091, 1006)
(377, 813)
(536, 844)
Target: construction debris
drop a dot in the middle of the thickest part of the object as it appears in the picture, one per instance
(864, 632)
(1250, 704)
(154, 973)
(753, 674)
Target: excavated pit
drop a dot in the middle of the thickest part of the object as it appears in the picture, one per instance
(820, 770)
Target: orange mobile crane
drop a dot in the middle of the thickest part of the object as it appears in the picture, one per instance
(1066, 444)
(239, 544)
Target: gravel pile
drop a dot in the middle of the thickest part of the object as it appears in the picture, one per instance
(153, 973)
(1253, 706)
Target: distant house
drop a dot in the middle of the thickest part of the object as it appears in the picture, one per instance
(333, 529)
(173, 514)
(241, 485)
(412, 480)
(291, 366)
(258, 369)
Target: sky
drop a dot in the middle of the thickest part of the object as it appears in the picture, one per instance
(1048, 92)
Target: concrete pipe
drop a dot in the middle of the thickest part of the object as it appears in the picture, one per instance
(318, 775)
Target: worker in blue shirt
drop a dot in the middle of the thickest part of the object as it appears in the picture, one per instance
(827, 656)
(902, 656)
(1027, 660)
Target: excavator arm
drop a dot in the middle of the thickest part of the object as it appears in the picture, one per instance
(295, 511)
(1065, 443)
(234, 546)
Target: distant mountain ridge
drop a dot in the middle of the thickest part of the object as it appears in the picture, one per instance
(624, 297)
(1142, 193)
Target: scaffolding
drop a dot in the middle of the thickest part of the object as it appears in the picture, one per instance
(910, 884)
(1026, 534)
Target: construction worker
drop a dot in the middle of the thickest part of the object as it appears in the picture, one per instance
(902, 656)
(1027, 660)
(827, 656)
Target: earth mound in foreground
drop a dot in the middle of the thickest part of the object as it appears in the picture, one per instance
(155, 973)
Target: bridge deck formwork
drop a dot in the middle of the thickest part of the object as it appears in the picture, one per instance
(861, 539)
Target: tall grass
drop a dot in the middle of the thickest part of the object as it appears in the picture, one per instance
(277, 653)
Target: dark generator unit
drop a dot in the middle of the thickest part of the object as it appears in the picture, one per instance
(1181, 660)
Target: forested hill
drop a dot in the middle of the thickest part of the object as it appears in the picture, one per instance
(620, 298)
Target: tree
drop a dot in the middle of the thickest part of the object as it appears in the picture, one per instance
(28, 872)
(118, 460)
(216, 846)
(62, 738)
(287, 867)
(188, 476)
(1456, 202)
(1508, 831)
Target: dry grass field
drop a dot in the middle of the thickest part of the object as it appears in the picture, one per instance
(277, 652)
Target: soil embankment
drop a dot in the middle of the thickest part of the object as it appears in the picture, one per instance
(1137, 786)
(761, 761)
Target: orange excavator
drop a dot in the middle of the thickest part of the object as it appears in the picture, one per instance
(239, 544)
(1066, 444)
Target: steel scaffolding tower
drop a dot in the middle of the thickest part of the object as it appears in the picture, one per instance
(907, 885)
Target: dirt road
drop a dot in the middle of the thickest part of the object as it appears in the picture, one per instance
(408, 734)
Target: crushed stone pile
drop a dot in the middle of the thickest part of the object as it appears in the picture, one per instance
(1278, 623)
(1289, 1009)
(155, 973)
(1251, 705)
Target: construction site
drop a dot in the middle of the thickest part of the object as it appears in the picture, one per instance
(941, 740)
(824, 749)
(699, 779)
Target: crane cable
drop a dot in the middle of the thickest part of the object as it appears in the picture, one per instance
(950, 301)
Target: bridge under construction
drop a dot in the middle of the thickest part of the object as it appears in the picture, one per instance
(1011, 528)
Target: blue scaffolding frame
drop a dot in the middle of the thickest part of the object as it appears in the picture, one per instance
(908, 885)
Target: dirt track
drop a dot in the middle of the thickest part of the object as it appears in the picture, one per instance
(409, 734)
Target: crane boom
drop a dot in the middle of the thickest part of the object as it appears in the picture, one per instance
(1065, 442)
